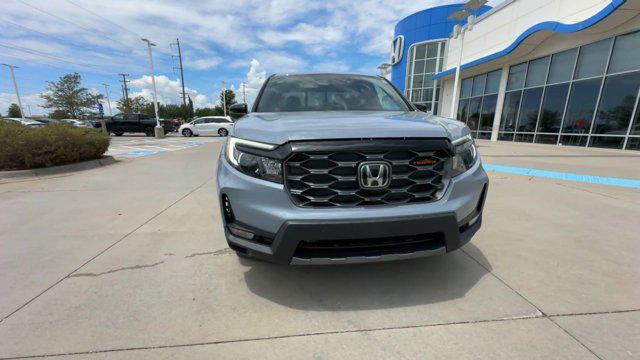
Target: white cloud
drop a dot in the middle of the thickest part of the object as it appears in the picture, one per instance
(32, 100)
(204, 64)
(169, 91)
(252, 84)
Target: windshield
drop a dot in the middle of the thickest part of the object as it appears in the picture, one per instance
(329, 92)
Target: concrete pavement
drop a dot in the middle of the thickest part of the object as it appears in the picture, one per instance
(129, 261)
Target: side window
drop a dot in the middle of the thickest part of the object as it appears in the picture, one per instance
(130, 117)
(118, 117)
(144, 117)
(199, 121)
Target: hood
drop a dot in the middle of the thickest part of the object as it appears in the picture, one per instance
(279, 128)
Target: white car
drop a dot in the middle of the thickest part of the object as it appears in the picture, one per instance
(23, 121)
(207, 125)
(78, 123)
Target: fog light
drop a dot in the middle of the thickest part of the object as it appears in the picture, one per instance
(241, 233)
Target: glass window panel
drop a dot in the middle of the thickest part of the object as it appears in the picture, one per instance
(478, 85)
(421, 51)
(616, 104)
(484, 135)
(573, 140)
(440, 59)
(435, 108)
(633, 144)
(430, 66)
(626, 53)
(510, 110)
(582, 104)
(427, 95)
(417, 81)
(488, 112)
(635, 128)
(493, 82)
(516, 76)
(546, 139)
(592, 59)
(465, 92)
(418, 68)
(462, 110)
(555, 97)
(432, 50)
(505, 136)
(529, 110)
(611, 142)
(524, 137)
(561, 67)
(474, 112)
(537, 72)
(415, 95)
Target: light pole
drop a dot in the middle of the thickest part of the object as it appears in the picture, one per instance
(159, 131)
(15, 86)
(244, 93)
(224, 98)
(459, 31)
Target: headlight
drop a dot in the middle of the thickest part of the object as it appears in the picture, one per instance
(466, 155)
(253, 165)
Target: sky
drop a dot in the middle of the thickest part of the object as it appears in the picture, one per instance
(237, 42)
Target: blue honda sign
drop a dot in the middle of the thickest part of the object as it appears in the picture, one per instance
(100, 109)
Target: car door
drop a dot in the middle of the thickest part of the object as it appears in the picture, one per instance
(199, 126)
(116, 124)
(223, 123)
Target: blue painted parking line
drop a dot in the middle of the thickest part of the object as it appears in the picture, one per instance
(140, 153)
(631, 183)
(194, 143)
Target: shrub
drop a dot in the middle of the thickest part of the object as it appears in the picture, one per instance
(23, 147)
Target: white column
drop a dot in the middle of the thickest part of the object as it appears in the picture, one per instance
(500, 103)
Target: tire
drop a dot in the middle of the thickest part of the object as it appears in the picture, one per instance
(187, 133)
(149, 132)
(118, 133)
(223, 132)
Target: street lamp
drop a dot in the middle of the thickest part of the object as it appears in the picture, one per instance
(159, 131)
(224, 98)
(459, 32)
(15, 86)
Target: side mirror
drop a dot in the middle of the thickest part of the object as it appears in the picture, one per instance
(237, 111)
(421, 107)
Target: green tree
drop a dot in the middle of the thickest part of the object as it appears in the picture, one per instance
(230, 97)
(189, 110)
(138, 104)
(14, 111)
(67, 94)
(206, 112)
(59, 114)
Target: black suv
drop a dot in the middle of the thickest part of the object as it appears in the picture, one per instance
(134, 123)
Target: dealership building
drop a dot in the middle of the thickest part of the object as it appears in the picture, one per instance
(563, 72)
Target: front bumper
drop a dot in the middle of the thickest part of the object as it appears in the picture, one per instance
(281, 228)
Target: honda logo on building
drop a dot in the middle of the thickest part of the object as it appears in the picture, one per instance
(396, 49)
(374, 175)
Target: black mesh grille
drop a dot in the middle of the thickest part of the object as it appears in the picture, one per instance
(329, 178)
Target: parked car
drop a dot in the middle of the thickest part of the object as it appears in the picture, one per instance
(49, 121)
(23, 121)
(341, 168)
(207, 125)
(78, 123)
(133, 123)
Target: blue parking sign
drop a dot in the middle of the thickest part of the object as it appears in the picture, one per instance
(100, 109)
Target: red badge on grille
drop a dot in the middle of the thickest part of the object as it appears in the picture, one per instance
(423, 161)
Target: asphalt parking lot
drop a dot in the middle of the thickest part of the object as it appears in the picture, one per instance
(129, 261)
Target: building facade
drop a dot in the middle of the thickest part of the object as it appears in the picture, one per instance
(561, 72)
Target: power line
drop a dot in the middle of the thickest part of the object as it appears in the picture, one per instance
(103, 18)
(47, 55)
(92, 31)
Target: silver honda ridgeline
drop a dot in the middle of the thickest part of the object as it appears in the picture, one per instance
(341, 168)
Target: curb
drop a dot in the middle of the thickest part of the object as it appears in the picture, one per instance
(56, 170)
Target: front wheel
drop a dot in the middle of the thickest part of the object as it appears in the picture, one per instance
(223, 132)
(187, 133)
